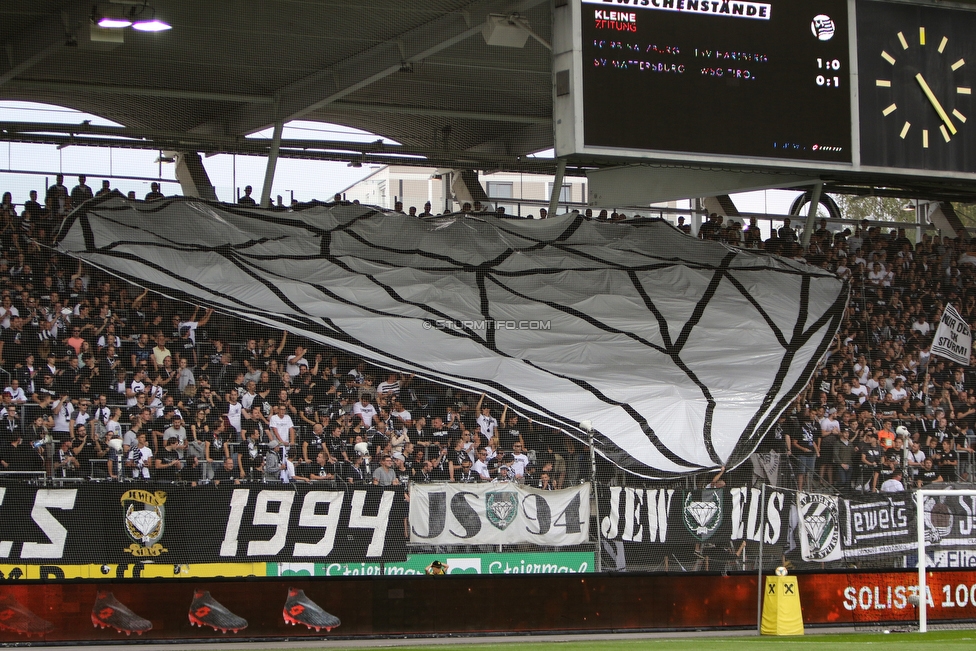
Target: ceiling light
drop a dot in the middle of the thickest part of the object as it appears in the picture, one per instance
(139, 16)
(111, 22)
(153, 25)
(110, 17)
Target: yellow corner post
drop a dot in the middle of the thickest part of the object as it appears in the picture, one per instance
(781, 613)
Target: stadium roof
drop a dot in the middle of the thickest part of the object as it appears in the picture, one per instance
(419, 73)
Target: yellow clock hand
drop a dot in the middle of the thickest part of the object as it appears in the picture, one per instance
(935, 103)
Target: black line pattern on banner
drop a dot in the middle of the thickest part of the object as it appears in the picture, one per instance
(490, 343)
(484, 271)
(596, 323)
(674, 353)
(460, 331)
(831, 318)
(786, 362)
(752, 299)
(610, 450)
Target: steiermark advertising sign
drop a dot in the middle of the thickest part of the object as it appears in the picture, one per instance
(507, 563)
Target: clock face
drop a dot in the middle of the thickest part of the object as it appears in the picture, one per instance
(916, 67)
(918, 95)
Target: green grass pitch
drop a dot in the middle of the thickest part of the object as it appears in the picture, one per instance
(954, 640)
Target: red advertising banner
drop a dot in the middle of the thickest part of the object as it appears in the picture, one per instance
(178, 609)
(885, 597)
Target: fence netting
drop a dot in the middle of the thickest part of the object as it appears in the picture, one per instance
(326, 516)
(140, 430)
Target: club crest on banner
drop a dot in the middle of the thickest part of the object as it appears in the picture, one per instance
(938, 519)
(820, 533)
(144, 521)
(501, 508)
(703, 516)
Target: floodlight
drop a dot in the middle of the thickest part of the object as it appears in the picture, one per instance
(110, 17)
(153, 24)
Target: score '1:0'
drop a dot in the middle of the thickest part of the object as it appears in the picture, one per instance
(833, 64)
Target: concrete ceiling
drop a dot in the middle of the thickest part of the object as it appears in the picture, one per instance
(419, 73)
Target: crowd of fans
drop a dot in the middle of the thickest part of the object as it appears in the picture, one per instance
(882, 414)
(107, 382)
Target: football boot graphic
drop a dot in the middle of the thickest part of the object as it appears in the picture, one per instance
(299, 609)
(16, 617)
(110, 612)
(207, 611)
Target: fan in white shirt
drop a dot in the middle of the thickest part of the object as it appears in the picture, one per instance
(283, 427)
(136, 387)
(521, 460)
(898, 392)
(487, 424)
(292, 367)
(193, 324)
(16, 393)
(62, 410)
(481, 465)
(829, 424)
(365, 410)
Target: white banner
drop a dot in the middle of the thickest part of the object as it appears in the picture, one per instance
(498, 514)
(952, 338)
(819, 530)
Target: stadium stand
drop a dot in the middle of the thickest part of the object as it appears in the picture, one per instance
(105, 382)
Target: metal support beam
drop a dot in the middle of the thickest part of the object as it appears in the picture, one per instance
(192, 175)
(30, 62)
(100, 136)
(812, 213)
(272, 163)
(446, 182)
(696, 217)
(76, 88)
(557, 186)
(354, 107)
(322, 152)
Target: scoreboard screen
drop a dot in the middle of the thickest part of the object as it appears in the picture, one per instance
(766, 80)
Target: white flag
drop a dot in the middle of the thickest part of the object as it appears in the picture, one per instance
(952, 338)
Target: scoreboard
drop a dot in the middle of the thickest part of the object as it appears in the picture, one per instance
(856, 85)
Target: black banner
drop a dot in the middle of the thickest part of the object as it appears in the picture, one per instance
(119, 523)
(676, 530)
(679, 530)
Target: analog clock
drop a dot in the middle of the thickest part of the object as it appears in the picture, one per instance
(934, 101)
(916, 83)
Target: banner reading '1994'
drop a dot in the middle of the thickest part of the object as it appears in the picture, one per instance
(106, 524)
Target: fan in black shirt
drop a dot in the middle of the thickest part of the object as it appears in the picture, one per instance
(20, 456)
(927, 475)
(226, 473)
(336, 445)
(949, 461)
(325, 468)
